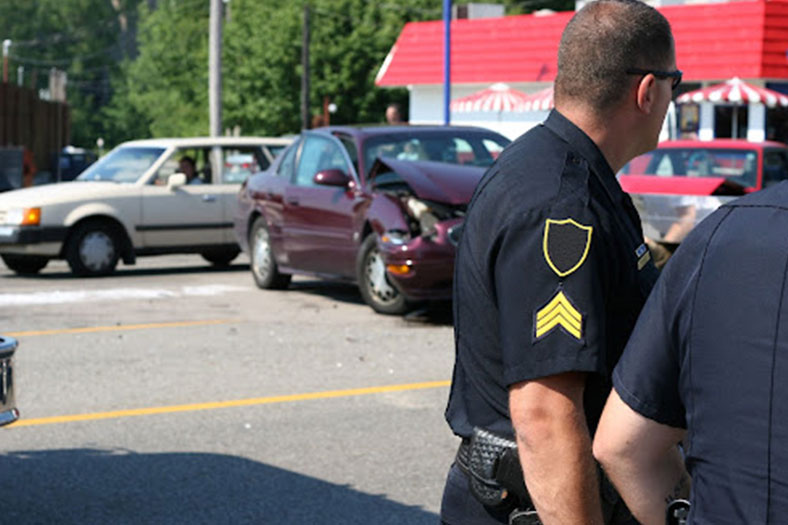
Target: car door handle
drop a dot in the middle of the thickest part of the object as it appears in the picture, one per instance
(293, 201)
(209, 198)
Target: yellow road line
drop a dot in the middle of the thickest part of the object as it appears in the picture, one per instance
(120, 328)
(228, 404)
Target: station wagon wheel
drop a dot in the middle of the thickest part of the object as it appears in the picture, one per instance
(376, 290)
(92, 249)
(264, 268)
(25, 264)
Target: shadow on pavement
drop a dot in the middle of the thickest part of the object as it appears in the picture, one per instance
(133, 271)
(87, 486)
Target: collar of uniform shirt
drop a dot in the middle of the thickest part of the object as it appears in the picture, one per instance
(576, 137)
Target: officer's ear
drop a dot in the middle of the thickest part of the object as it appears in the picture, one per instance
(646, 93)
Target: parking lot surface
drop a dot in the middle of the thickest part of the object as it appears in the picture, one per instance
(172, 392)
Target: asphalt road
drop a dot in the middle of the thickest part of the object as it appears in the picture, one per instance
(172, 392)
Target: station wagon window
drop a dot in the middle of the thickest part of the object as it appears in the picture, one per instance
(775, 168)
(123, 164)
(240, 162)
(201, 158)
(317, 155)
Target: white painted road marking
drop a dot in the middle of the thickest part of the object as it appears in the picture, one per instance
(113, 294)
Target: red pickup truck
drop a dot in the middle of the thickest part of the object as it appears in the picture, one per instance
(681, 182)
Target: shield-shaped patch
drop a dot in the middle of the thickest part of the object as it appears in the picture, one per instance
(566, 243)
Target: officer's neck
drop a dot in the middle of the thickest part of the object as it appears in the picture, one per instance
(611, 133)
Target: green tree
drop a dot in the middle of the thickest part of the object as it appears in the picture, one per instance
(165, 88)
(84, 38)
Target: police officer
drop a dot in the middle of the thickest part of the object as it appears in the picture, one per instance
(550, 275)
(708, 362)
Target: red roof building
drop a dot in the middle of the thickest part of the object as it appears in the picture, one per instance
(714, 42)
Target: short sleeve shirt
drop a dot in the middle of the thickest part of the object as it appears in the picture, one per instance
(710, 354)
(551, 272)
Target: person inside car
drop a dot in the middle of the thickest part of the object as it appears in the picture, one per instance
(187, 166)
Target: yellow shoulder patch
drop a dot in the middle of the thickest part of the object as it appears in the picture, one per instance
(565, 245)
(559, 313)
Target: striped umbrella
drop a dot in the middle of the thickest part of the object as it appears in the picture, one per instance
(498, 97)
(738, 93)
(735, 91)
(539, 101)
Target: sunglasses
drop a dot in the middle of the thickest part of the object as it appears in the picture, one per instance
(674, 75)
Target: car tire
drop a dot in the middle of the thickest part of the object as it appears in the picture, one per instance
(376, 290)
(25, 264)
(263, 264)
(93, 249)
(221, 257)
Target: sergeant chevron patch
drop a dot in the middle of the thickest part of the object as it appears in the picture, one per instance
(558, 313)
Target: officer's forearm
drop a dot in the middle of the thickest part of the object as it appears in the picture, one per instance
(642, 460)
(555, 449)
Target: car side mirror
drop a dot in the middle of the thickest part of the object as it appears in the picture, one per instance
(176, 180)
(332, 177)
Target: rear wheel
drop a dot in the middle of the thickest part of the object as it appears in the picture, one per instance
(221, 257)
(93, 249)
(376, 290)
(25, 264)
(264, 268)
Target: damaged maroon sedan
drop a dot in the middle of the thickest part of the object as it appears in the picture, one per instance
(379, 206)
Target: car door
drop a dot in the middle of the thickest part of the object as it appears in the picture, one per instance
(318, 220)
(187, 215)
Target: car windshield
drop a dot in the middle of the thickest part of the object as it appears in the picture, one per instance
(736, 165)
(123, 164)
(452, 147)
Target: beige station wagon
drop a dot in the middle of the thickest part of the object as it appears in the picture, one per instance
(135, 201)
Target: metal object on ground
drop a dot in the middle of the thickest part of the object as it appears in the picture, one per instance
(8, 410)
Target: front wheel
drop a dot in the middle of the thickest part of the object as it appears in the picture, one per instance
(25, 264)
(93, 250)
(376, 290)
(264, 268)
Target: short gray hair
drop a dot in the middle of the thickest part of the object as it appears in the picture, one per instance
(602, 41)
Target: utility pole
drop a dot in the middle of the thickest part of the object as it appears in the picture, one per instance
(305, 71)
(6, 45)
(446, 60)
(215, 68)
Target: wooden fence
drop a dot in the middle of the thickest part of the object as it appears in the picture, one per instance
(41, 126)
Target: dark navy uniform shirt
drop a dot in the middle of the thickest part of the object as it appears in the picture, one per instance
(710, 354)
(551, 273)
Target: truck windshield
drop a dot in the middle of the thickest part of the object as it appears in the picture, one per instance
(123, 164)
(737, 165)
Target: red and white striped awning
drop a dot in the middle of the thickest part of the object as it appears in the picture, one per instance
(498, 97)
(539, 101)
(735, 91)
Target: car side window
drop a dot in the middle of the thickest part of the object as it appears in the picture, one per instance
(775, 168)
(286, 166)
(318, 154)
(350, 146)
(240, 162)
(194, 162)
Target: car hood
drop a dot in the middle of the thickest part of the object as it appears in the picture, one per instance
(59, 193)
(435, 181)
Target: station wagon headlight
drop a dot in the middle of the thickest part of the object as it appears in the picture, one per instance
(23, 217)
